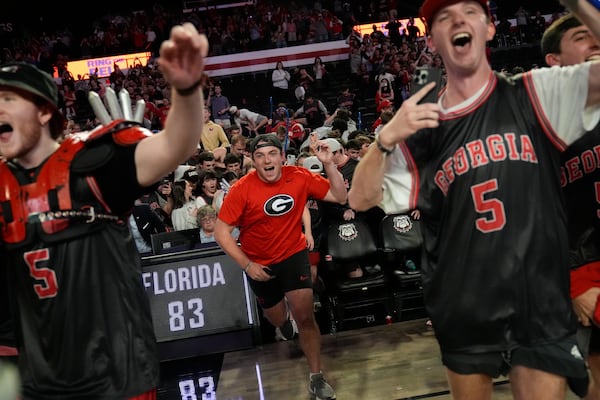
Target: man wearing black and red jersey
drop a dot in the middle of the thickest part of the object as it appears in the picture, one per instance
(482, 165)
(267, 205)
(567, 42)
(81, 315)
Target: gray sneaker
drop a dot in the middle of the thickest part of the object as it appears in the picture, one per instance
(320, 389)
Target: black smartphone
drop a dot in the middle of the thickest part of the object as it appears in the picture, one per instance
(424, 75)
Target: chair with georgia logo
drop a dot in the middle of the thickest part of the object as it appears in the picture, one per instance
(360, 301)
(400, 243)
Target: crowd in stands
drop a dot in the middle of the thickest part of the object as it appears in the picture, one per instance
(267, 24)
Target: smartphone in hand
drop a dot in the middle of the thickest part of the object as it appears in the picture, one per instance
(421, 77)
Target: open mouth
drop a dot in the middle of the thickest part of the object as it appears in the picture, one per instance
(5, 128)
(593, 57)
(461, 39)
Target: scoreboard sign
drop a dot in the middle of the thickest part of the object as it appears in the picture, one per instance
(197, 295)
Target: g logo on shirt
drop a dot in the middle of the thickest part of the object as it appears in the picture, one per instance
(279, 205)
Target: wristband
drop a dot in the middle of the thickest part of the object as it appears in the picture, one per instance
(190, 90)
(382, 148)
(248, 266)
(595, 3)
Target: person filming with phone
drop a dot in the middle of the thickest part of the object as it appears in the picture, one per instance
(482, 164)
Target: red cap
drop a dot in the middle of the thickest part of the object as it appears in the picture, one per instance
(383, 104)
(431, 7)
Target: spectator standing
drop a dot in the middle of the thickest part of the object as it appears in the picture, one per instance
(280, 274)
(493, 198)
(213, 134)
(304, 83)
(320, 73)
(219, 106)
(385, 92)
(319, 27)
(522, 17)
(412, 30)
(393, 26)
(291, 30)
(538, 26)
(280, 79)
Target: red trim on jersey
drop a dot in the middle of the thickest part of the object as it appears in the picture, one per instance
(150, 395)
(469, 108)
(414, 173)
(539, 113)
(8, 351)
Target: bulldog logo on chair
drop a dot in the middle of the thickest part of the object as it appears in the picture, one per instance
(402, 223)
(347, 232)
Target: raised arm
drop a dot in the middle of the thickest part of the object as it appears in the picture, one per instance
(337, 191)
(181, 62)
(366, 190)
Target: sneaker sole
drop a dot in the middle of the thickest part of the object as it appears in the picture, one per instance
(314, 397)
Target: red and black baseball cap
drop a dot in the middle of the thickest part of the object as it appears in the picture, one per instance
(431, 7)
(31, 79)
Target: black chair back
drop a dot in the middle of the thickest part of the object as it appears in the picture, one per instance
(400, 232)
(350, 240)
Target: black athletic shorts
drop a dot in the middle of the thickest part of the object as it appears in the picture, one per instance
(589, 339)
(290, 274)
(595, 340)
(562, 358)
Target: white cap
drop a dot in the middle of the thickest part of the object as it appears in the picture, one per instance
(333, 144)
(233, 109)
(313, 164)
